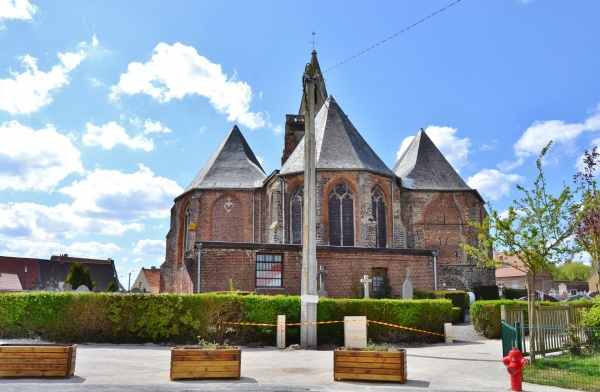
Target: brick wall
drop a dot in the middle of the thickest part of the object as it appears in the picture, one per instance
(346, 266)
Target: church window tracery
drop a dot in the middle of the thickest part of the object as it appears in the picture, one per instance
(379, 214)
(186, 229)
(341, 216)
(296, 204)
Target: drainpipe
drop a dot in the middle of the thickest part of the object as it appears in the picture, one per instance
(253, 208)
(434, 254)
(199, 248)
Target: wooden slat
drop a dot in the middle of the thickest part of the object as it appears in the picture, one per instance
(369, 377)
(30, 373)
(191, 374)
(26, 355)
(33, 348)
(27, 361)
(42, 366)
(367, 365)
(226, 365)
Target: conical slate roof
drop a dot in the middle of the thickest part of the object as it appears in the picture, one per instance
(339, 146)
(232, 166)
(422, 166)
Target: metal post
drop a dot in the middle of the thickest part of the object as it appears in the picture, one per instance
(309, 298)
(199, 250)
(25, 282)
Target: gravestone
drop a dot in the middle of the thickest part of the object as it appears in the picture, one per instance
(407, 287)
(82, 289)
(67, 287)
(135, 290)
(365, 281)
(322, 272)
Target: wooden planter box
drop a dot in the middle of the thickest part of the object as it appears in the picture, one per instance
(35, 360)
(369, 365)
(190, 362)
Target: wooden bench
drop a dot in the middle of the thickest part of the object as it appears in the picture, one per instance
(37, 360)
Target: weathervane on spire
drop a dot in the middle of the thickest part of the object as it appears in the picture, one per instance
(313, 40)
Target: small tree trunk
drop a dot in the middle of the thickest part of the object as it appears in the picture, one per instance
(531, 297)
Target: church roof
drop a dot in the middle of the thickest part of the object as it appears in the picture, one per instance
(232, 166)
(339, 146)
(423, 166)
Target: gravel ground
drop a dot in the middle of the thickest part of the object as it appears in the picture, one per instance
(464, 332)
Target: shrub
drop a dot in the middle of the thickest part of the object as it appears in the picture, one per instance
(455, 315)
(485, 316)
(514, 293)
(486, 293)
(459, 298)
(182, 319)
(111, 288)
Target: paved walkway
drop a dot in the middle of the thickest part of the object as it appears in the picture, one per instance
(471, 366)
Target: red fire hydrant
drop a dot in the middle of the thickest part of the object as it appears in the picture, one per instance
(514, 362)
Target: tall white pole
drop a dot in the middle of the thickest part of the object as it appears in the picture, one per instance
(308, 316)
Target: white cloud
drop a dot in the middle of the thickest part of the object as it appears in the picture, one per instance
(35, 159)
(110, 194)
(155, 127)
(109, 135)
(27, 92)
(493, 184)
(149, 247)
(537, 136)
(454, 149)
(54, 223)
(16, 9)
(45, 249)
(176, 71)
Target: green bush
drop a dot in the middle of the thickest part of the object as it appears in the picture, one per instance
(181, 319)
(455, 315)
(459, 298)
(514, 293)
(485, 316)
(486, 293)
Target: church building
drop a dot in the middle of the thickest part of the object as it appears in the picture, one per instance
(236, 226)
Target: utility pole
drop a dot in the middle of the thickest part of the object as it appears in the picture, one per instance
(309, 298)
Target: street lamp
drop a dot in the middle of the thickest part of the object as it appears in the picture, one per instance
(25, 282)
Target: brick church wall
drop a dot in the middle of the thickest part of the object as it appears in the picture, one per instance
(221, 262)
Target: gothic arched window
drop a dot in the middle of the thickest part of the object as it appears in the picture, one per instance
(378, 211)
(296, 204)
(341, 216)
(186, 228)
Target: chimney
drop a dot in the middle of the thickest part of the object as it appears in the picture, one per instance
(294, 132)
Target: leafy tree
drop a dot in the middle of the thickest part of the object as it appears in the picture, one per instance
(536, 229)
(78, 275)
(573, 271)
(587, 230)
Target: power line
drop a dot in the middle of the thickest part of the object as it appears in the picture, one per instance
(392, 36)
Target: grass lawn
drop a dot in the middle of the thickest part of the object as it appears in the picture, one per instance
(566, 371)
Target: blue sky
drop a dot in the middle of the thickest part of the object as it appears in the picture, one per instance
(108, 109)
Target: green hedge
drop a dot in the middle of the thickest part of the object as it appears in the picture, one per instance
(514, 293)
(486, 293)
(178, 319)
(459, 298)
(485, 316)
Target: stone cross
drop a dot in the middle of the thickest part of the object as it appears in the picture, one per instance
(365, 280)
(322, 272)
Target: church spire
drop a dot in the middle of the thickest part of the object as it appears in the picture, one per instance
(320, 93)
